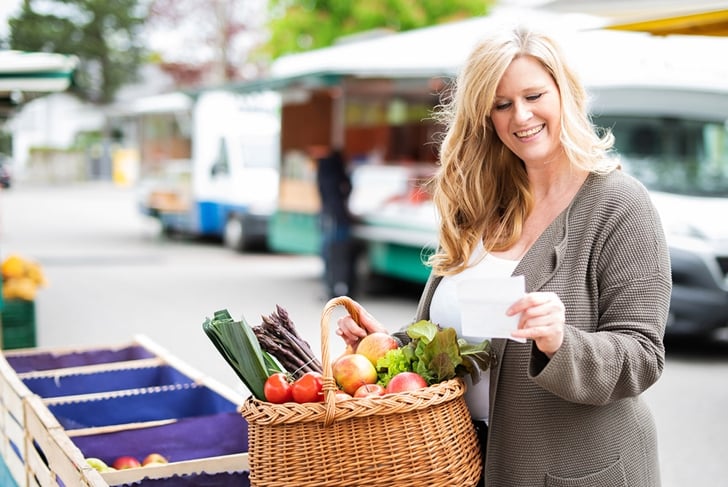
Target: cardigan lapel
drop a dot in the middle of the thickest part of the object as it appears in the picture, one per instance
(537, 266)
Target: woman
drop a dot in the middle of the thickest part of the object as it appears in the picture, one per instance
(527, 187)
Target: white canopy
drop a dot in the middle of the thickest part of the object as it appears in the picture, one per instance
(422, 52)
(602, 57)
(25, 75)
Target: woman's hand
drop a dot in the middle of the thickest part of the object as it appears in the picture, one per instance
(351, 332)
(542, 319)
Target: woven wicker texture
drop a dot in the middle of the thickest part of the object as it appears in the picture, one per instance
(419, 438)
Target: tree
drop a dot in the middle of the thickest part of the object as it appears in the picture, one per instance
(300, 25)
(213, 39)
(103, 34)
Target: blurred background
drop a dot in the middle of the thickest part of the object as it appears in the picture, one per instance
(159, 161)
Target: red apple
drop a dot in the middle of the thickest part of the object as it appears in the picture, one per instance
(154, 459)
(369, 390)
(342, 396)
(406, 381)
(375, 345)
(353, 370)
(125, 462)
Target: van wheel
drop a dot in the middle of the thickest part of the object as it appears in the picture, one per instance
(234, 234)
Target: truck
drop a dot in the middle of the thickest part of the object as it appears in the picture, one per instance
(209, 164)
(374, 98)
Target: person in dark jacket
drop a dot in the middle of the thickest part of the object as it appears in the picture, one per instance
(337, 246)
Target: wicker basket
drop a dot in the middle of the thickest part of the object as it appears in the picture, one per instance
(418, 438)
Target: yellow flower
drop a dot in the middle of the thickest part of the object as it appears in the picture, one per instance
(21, 278)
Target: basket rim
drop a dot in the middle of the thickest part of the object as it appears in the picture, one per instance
(260, 412)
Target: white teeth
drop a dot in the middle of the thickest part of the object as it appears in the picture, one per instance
(528, 133)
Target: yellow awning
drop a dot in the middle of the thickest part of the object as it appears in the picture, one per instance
(711, 23)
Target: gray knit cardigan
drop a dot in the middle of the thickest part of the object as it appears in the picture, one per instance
(577, 420)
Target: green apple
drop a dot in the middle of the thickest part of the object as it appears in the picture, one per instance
(98, 464)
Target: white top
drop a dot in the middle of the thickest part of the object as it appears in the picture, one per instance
(444, 310)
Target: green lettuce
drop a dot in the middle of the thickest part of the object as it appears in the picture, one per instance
(432, 352)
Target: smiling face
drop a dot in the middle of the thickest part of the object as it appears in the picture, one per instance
(526, 112)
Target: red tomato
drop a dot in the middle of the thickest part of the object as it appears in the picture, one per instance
(308, 388)
(278, 389)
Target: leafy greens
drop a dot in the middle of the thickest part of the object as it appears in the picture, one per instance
(437, 354)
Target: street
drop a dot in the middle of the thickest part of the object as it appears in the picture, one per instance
(112, 275)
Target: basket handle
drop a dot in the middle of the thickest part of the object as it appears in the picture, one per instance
(330, 387)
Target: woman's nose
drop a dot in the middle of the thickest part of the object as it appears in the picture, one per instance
(522, 112)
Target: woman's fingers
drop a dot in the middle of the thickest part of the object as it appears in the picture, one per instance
(542, 319)
(352, 332)
(349, 330)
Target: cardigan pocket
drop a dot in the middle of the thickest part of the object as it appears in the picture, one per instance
(612, 476)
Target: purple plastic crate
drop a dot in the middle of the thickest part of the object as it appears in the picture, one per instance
(173, 402)
(48, 361)
(236, 479)
(106, 381)
(185, 439)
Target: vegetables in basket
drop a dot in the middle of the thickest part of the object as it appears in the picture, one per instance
(435, 353)
(238, 345)
(278, 336)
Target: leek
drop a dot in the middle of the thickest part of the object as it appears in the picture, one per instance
(240, 348)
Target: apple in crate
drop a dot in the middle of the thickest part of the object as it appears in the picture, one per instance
(98, 464)
(124, 462)
(154, 459)
(406, 381)
(353, 371)
(375, 345)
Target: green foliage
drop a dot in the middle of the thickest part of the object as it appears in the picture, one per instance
(301, 25)
(103, 35)
(87, 139)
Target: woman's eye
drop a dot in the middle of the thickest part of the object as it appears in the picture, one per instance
(534, 97)
(502, 105)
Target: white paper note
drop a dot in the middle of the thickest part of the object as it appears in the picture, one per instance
(483, 305)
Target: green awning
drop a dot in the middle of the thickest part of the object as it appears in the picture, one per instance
(308, 80)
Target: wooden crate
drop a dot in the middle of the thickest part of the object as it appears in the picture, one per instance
(43, 443)
(51, 457)
(12, 422)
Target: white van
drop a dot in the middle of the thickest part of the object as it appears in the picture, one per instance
(675, 141)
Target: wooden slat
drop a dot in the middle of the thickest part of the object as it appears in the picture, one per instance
(212, 465)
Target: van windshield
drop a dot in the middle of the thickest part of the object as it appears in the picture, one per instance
(673, 155)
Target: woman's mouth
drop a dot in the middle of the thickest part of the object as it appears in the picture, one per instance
(530, 132)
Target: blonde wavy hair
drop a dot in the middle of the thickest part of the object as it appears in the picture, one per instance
(481, 190)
